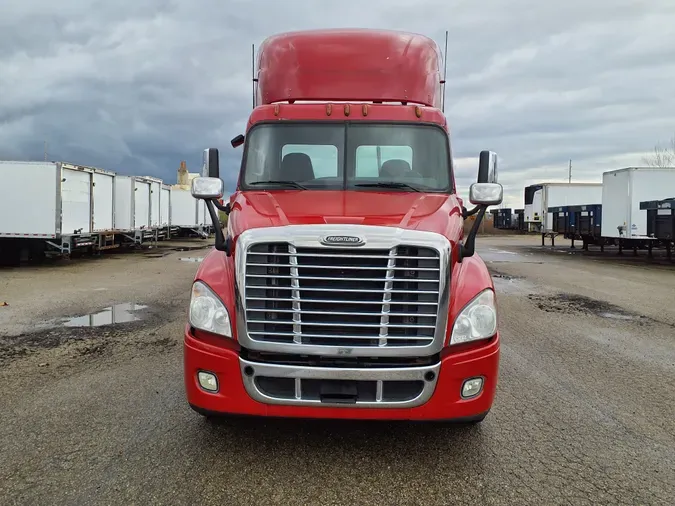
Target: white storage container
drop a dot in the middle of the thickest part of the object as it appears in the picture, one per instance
(545, 195)
(64, 199)
(141, 203)
(183, 209)
(103, 219)
(124, 203)
(35, 182)
(155, 198)
(165, 206)
(202, 213)
(622, 192)
(76, 206)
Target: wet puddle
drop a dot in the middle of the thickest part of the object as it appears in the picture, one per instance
(616, 316)
(494, 255)
(191, 259)
(119, 313)
(507, 284)
(570, 304)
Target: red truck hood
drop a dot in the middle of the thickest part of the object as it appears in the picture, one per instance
(432, 212)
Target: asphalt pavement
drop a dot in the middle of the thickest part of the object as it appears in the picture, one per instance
(584, 412)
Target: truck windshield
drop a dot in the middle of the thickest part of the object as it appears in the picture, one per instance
(332, 156)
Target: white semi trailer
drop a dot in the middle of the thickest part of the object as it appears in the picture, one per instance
(623, 190)
(71, 206)
(539, 197)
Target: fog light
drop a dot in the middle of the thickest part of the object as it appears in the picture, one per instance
(208, 381)
(472, 387)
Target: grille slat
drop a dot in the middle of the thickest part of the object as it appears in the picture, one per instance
(351, 267)
(336, 296)
(341, 313)
(328, 301)
(318, 278)
(336, 336)
(358, 290)
(329, 324)
(328, 255)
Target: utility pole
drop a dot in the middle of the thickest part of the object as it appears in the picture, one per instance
(570, 172)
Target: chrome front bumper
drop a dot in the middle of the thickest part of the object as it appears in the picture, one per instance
(400, 387)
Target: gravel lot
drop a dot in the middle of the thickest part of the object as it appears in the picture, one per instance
(584, 413)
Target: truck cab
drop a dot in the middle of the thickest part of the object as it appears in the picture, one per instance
(343, 285)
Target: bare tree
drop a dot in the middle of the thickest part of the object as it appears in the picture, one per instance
(663, 156)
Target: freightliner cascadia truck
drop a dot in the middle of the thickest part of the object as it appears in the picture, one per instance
(343, 285)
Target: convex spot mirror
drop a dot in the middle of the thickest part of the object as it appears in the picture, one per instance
(486, 194)
(207, 188)
(487, 167)
(210, 163)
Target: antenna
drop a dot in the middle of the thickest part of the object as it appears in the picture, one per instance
(445, 71)
(254, 79)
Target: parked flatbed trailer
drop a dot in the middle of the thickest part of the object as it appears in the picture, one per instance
(507, 219)
(661, 221)
(504, 219)
(520, 220)
(580, 222)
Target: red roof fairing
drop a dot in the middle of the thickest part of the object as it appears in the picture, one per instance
(349, 65)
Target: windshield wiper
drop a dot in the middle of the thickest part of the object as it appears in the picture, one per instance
(280, 183)
(391, 184)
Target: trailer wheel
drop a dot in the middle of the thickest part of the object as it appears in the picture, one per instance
(10, 254)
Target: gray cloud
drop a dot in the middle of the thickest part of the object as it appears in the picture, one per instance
(138, 86)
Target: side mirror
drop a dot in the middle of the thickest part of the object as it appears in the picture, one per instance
(237, 141)
(210, 163)
(486, 194)
(487, 167)
(207, 188)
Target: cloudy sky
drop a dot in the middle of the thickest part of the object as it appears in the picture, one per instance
(136, 87)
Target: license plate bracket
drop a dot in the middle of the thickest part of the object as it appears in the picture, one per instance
(338, 392)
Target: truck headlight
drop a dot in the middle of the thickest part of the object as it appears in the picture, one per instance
(478, 319)
(207, 311)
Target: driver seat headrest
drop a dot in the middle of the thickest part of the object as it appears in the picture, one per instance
(297, 167)
(395, 168)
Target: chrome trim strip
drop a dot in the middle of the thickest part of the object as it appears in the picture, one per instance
(295, 295)
(376, 237)
(386, 298)
(335, 373)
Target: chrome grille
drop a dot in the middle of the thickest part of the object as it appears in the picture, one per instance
(351, 297)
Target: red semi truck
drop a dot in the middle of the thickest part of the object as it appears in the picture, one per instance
(343, 286)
